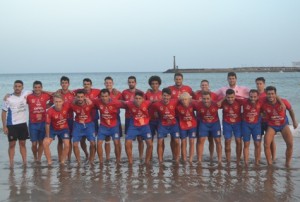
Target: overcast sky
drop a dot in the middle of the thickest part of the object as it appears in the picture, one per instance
(144, 35)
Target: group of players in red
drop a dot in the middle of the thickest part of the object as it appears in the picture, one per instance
(186, 116)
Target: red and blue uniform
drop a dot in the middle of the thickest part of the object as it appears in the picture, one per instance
(58, 121)
(154, 119)
(232, 118)
(139, 121)
(208, 120)
(37, 105)
(167, 116)
(187, 120)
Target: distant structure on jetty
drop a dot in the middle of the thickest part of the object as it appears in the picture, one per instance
(294, 68)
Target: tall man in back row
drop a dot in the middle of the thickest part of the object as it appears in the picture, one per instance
(14, 121)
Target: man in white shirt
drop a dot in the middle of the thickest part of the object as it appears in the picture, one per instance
(14, 121)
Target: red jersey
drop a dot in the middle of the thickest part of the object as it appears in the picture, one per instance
(251, 112)
(115, 95)
(37, 107)
(108, 112)
(153, 96)
(139, 114)
(232, 112)
(275, 113)
(83, 114)
(177, 91)
(128, 95)
(186, 116)
(58, 119)
(207, 114)
(166, 112)
(198, 96)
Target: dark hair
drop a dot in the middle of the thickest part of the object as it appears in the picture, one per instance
(154, 78)
(204, 80)
(253, 91)
(64, 78)
(230, 91)
(205, 93)
(80, 91)
(166, 90)
(37, 83)
(108, 78)
(87, 80)
(132, 77)
(260, 79)
(270, 88)
(231, 74)
(104, 90)
(178, 74)
(139, 93)
(19, 81)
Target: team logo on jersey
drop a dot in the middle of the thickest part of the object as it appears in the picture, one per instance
(161, 108)
(133, 110)
(64, 112)
(56, 116)
(86, 108)
(33, 101)
(202, 110)
(182, 111)
(268, 110)
(173, 92)
(126, 96)
(248, 107)
(151, 98)
(213, 110)
(110, 107)
(235, 107)
(101, 106)
(144, 109)
(171, 107)
(226, 108)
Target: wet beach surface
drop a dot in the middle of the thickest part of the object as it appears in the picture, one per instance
(166, 182)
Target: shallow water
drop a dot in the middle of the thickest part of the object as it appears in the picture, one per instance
(165, 182)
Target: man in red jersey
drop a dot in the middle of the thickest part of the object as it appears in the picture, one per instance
(92, 94)
(251, 125)
(129, 95)
(277, 122)
(232, 118)
(84, 125)
(204, 85)
(187, 124)
(138, 125)
(166, 109)
(114, 95)
(177, 90)
(57, 125)
(154, 95)
(68, 97)
(37, 104)
(208, 125)
(109, 123)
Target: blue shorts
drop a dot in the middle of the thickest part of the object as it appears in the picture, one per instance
(134, 131)
(279, 128)
(253, 129)
(96, 125)
(191, 133)
(113, 132)
(83, 130)
(164, 131)
(209, 129)
(228, 129)
(127, 120)
(154, 127)
(62, 134)
(37, 131)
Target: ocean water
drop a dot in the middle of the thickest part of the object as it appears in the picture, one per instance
(169, 181)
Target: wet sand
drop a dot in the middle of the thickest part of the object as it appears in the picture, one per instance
(166, 182)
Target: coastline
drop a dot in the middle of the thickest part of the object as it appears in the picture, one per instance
(234, 69)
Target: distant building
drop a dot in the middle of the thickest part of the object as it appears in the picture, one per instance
(296, 64)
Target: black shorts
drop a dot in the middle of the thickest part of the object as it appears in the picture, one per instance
(18, 132)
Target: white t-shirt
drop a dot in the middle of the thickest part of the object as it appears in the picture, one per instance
(16, 108)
